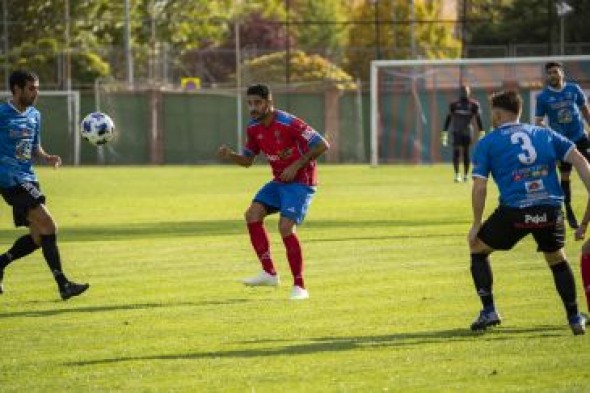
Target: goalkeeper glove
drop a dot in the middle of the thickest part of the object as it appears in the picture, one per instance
(482, 133)
(444, 138)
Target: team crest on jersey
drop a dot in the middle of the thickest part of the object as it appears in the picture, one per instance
(259, 136)
(534, 186)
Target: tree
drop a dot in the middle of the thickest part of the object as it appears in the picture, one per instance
(320, 25)
(259, 34)
(524, 22)
(383, 30)
(305, 71)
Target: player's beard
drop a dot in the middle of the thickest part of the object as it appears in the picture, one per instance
(26, 102)
(554, 82)
(260, 116)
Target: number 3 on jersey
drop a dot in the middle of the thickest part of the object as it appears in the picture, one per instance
(529, 154)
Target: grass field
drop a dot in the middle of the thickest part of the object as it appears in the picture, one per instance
(387, 268)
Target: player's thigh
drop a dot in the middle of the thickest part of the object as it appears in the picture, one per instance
(461, 139)
(550, 234)
(266, 201)
(295, 201)
(41, 221)
(23, 198)
(501, 230)
(583, 146)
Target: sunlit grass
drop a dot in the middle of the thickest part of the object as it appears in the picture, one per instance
(387, 268)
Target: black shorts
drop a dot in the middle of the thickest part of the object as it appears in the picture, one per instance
(22, 198)
(507, 226)
(461, 139)
(583, 146)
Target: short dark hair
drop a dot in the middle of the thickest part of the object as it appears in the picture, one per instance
(259, 90)
(551, 64)
(509, 100)
(20, 78)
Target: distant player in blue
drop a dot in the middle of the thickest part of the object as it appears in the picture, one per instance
(564, 104)
(20, 144)
(522, 160)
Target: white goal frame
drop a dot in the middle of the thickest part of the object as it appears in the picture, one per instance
(73, 121)
(376, 65)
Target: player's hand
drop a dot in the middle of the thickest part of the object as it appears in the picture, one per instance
(53, 160)
(580, 232)
(472, 236)
(289, 172)
(482, 133)
(224, 152)
(444, 138)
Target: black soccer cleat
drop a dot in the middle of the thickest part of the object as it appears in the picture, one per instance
(571, 217)
(72, 289)
(486, 319)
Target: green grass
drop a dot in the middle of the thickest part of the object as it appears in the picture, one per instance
(387, 268)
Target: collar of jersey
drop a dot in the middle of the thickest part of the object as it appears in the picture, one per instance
(557, 90)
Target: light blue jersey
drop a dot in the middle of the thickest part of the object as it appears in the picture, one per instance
(562, 108)
(522, 160)
(19, 138)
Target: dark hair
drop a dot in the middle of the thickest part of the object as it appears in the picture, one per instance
(20, 78)
(259, 90)
(552, 64)
(508, 100)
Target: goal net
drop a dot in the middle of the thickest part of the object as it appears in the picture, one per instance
(410, 99)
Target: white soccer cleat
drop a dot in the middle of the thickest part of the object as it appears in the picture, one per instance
(298, 293)
(458, 178)
(262, 280)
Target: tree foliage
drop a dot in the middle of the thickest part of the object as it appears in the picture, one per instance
(304, 70)
(384, 27)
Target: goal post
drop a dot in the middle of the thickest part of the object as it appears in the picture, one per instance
(410, 98)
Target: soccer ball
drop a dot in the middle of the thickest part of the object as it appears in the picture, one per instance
(97, 128)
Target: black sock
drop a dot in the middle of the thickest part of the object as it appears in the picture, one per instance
(567, 191)
(483, 279)
(566, 286)
(22, 247)
(51, 254)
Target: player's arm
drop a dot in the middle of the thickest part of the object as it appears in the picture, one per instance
(444, 135)
(585, 111)
(317, 147)
(539, 112)
(479, 192)
(540, 121)
(226, 153)
(579, 162)
(50, 159)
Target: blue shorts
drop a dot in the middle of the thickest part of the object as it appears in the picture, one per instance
(291, 199)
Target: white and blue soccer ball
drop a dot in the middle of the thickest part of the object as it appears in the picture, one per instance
(97, 128)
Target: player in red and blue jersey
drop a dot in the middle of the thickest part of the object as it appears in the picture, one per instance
(522, 160)
(291, 148)
(20, 144)
(566, 107)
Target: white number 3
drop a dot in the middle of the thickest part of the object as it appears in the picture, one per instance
(529, 154)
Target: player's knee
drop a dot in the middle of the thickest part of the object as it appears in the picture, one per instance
(254, 214)
(555, 257)
(286, 227)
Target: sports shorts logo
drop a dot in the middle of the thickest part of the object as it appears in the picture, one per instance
(535, 219)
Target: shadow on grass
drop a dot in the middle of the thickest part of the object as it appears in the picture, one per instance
(119, 307)
(224, 228)
(339, 344)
